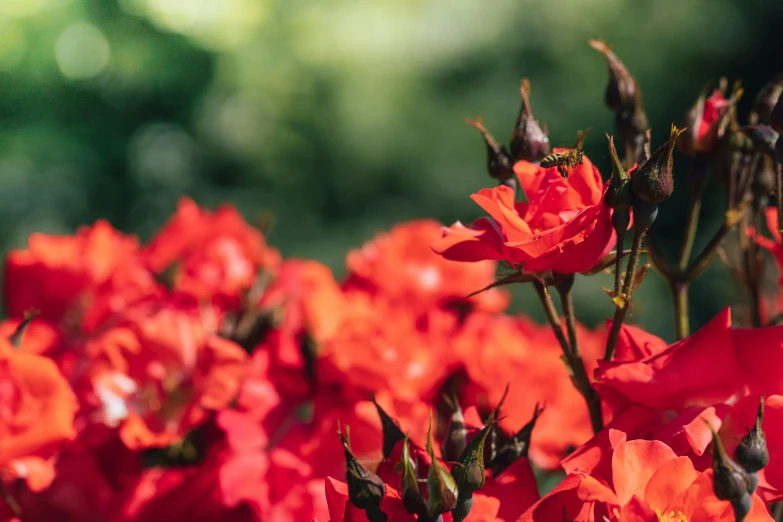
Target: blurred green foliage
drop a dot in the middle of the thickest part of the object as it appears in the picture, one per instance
(342, 117)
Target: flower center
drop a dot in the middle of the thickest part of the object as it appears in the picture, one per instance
(671, 516)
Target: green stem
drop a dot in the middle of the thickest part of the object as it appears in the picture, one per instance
(691, 226)
(621, 311)
(705, 257)
(572, 358)
(10, 501)
(679, 291)
(618, 266)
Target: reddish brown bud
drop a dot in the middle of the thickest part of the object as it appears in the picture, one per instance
(529, 141)
(392, 433)
(499, 162)
(653, 181)
(622, 90)
(767, 98)
(762, 137)
(365, 488)
(456, 434)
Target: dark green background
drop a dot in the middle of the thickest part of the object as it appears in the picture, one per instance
(341, 116)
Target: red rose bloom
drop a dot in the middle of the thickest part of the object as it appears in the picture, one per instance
(401, 265)
(645, 481)
(566, 226)
(56, 273)
(215, 253)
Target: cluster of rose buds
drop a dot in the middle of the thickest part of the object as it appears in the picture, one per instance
(201, 376)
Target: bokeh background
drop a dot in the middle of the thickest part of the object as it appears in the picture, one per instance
(342, 117)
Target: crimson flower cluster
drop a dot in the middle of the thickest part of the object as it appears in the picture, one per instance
(201, 376)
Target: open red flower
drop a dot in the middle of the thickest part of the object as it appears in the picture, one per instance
(37, 409)
(566, 226)
(215, 254)
(646, 482)
(57, 273)
(401, 265)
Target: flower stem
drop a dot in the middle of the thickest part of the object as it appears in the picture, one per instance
(691, 222)
(618, 267)
(679, 291)
(9, 499)
(779, 192)
(576, 366)
(702, 261)
(621, 311)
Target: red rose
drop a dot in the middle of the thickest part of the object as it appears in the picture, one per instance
(214, 253)
(401, 266)
(566, 226)
(56, 273)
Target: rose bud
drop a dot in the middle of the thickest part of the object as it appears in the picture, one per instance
(767, 98)
(622, 90)
(411, 494)
(456, 434)
(365, 488)
(499, 162)
(441, 488)
(653, 181)
(468, 472)
(730, 481)
(624, 97)
(707, 121)
(517, 447)
(762, 137)
(392, 433)
(776, 116)
(529, 141)
(752, 453)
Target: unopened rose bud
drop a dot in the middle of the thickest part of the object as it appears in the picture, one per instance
(518, 446)
(456, 434)
(392, 433)
(365, 488)
(499, 162)
(624, 97)
(644, 214)
(619, 196)
(653, 181)
(776, 116)
(441, 488)
(468, 472)
(752, 453)
(767, 98)
(762, 137)
(707, 121)
(730, 481)
(763, 184)
(622, 89)
(529, 141)
(412, 499)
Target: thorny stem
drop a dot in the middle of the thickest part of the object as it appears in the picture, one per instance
(621, 311)
(571, 356)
